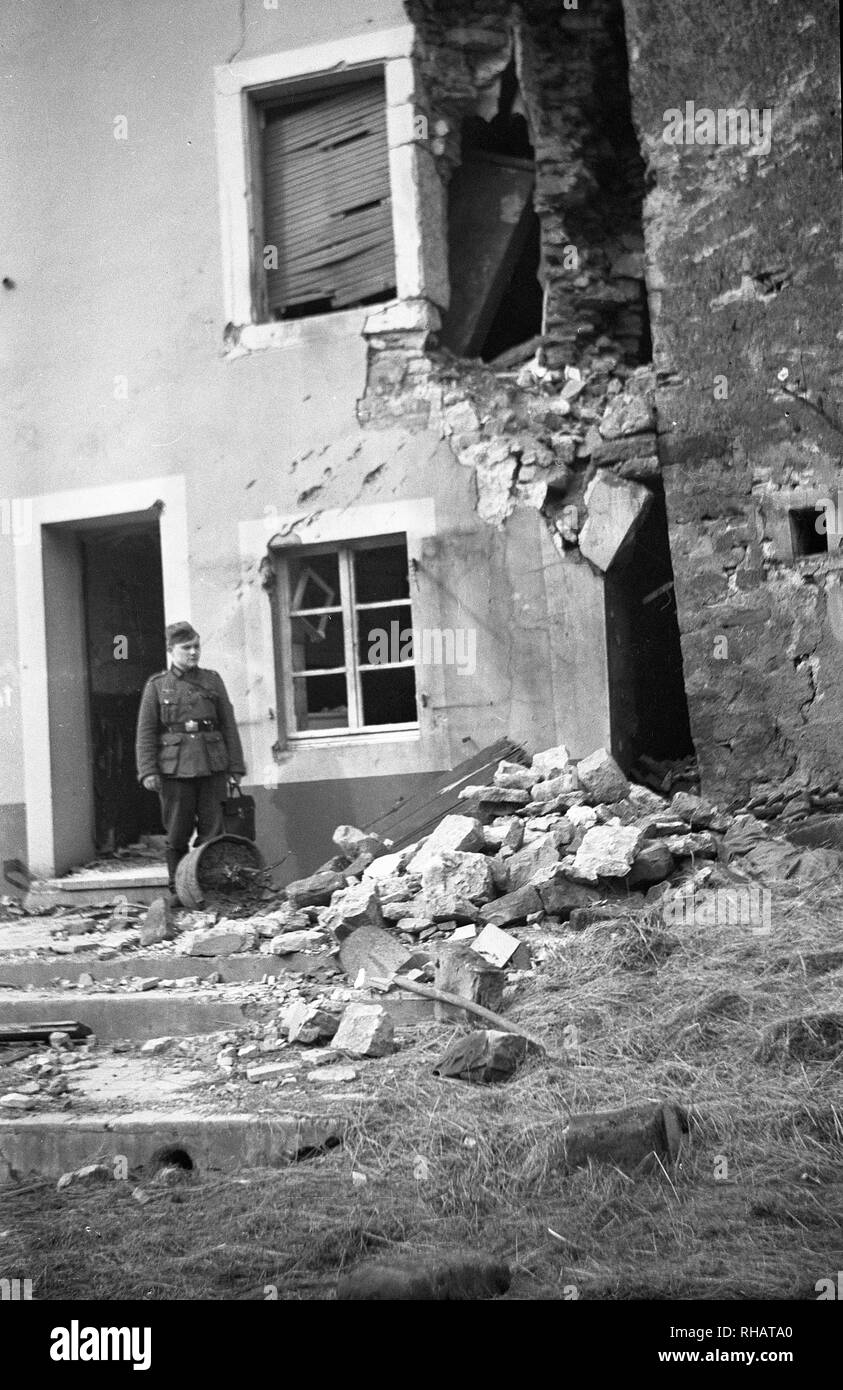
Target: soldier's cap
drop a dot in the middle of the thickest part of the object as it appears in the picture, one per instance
(180, 632)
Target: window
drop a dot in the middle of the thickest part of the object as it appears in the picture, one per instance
(346, 638)
(325, 238)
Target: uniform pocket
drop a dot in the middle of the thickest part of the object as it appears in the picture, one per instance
(217, 751)
(169, 748)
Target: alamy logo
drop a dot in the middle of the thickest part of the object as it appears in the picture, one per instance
(432, 646)
(75, 1343)
(728, 125)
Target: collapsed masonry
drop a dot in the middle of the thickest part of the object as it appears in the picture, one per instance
(532, 357)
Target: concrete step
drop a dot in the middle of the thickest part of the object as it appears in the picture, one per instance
(232, 969)
(177, 1013)
(136, 1144)
(99, 887)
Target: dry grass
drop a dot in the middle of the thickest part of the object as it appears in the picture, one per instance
(630, 1010)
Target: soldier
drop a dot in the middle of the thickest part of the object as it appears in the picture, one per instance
(187, 746)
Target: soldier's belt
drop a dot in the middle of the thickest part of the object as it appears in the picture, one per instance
(193, 726)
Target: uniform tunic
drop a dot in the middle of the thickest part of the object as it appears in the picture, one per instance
(176, 697)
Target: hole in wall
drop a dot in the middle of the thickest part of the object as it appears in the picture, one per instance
(494, 240)
(805, 536)
(171, 1156)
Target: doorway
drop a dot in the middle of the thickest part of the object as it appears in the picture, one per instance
(123, 603)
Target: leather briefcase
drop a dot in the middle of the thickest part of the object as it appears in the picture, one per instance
(238, 813)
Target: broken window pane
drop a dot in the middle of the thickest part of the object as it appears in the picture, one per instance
(389, 697)
(380, 572)
(317, 643)
(385, 634)
(314, 581)
(320, 702)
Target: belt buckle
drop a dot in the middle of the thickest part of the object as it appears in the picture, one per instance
(191, 726)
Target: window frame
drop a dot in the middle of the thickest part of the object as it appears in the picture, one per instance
(349, 608)
(240, 87)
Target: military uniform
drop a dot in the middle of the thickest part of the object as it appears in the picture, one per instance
(187, 734)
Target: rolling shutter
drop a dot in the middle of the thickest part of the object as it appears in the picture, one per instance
(327, 200)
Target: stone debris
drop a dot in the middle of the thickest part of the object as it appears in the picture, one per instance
(157, 925)
(486, 1055)
(91, 1175)
(453, 833)
(601, 777)
(498, 947)
(336, 1075)
(308, 1023)
(366, 1030)
(355, 906)
(224, 939)
(607, 851)
(155, 1046)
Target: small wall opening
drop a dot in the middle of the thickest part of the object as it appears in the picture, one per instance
(171, 1156)
(806, 538)
(494, 240)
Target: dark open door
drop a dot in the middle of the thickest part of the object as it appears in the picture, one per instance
(125, 644)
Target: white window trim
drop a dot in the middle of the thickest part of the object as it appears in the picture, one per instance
(352, 669)
(389, 48)
(364, 753)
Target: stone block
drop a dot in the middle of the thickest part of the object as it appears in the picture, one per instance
(512, 908)
(460, 970)
(316, 890)
(91, 1175)
(224, 939)
(157, 925)
(352, 842)
(602, 779)
(627, 415)
(289, 942)
(551, 761)
(616, 508)
(366, 1030)
(309, 1023)
(486, 1055)
(379, 953)
(453, 833)
(355, 906)
(607, 851)
(541, 853)
(653, 863)
(507, 833)
(454, 876)
(560, 898)
(389, 865)
(556, 787)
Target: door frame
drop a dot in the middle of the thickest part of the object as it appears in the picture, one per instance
(58, 778)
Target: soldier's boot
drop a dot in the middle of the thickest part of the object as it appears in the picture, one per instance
(173, 861)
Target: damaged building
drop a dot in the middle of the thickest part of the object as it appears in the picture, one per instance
(461, 372)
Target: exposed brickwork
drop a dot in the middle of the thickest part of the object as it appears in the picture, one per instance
(743, 287)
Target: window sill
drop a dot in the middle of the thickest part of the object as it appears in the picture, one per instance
(346, 738)
(291, 333)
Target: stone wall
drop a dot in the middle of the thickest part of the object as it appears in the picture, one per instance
(745, 306)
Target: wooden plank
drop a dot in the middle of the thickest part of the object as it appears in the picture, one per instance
(414, 816)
